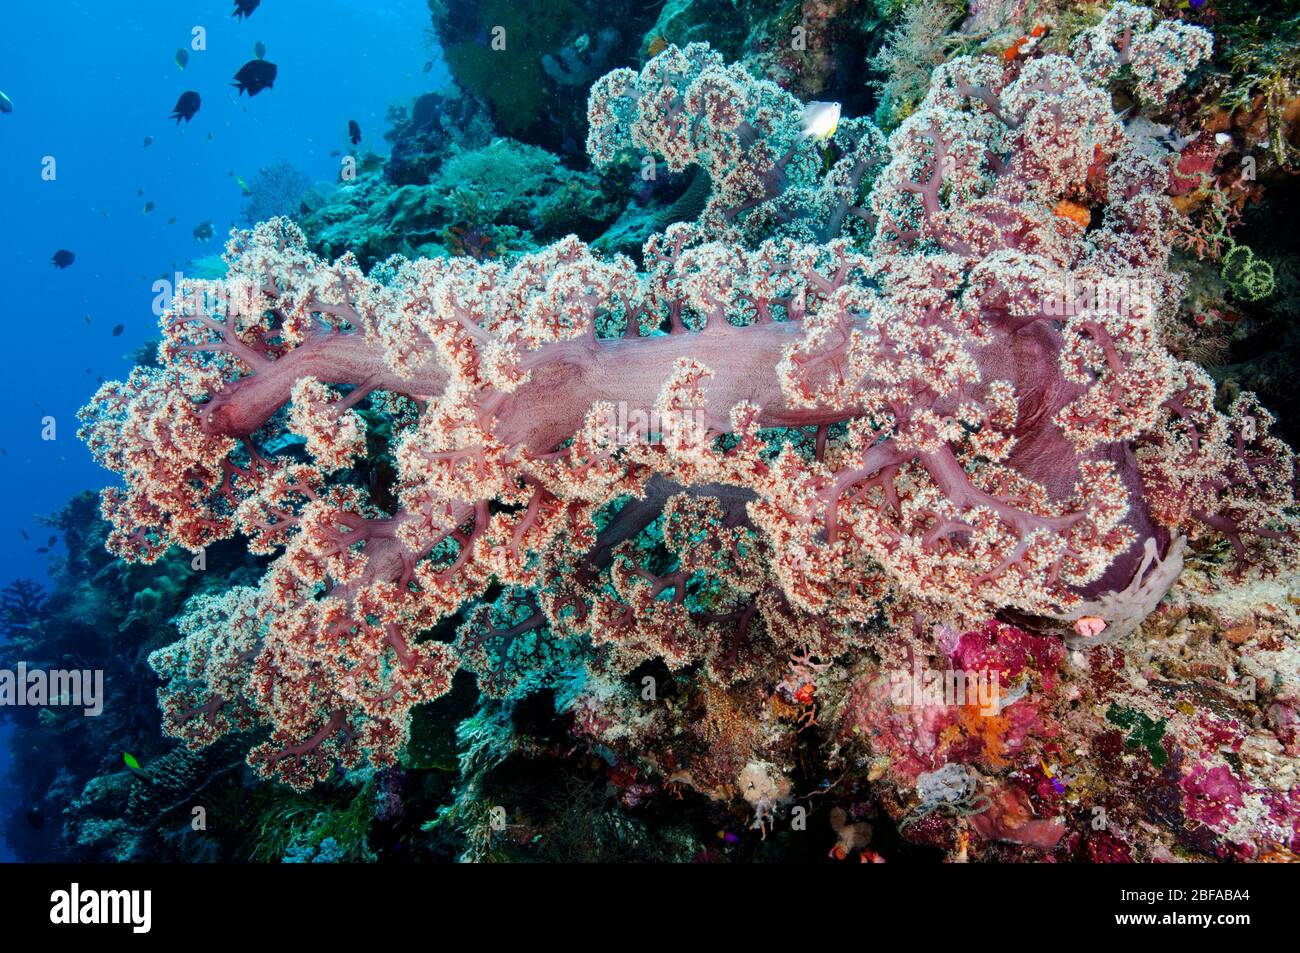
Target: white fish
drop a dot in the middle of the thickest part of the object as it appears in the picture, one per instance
(820, 120)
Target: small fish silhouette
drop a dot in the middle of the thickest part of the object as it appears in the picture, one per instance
(186, 107)
(255, 76)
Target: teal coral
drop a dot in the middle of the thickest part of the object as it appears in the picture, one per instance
(518, 196)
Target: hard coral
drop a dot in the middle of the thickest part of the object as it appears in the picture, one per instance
(867, 406)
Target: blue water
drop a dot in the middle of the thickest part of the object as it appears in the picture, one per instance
(89, 81)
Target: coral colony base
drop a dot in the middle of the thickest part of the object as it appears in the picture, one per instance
(837, 432)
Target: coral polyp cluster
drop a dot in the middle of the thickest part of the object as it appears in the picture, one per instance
(883, 403)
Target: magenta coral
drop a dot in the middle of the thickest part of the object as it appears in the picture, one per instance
(832, 432)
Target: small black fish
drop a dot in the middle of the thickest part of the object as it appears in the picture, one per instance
(118, 329)
(354, 132)
(63, 258)
(148, 140)
(255, 76)
(25, 536)
(42, 549)
(245, 8)
(203, 232)
(35, 819)
(186, 107)
(182, 57)
(6, 104)
(53, 540)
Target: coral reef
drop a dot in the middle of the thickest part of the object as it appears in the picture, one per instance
(531, 63)
(435, 125)
(953, 446)
(450, 188)
(106, 615)
(744, 494)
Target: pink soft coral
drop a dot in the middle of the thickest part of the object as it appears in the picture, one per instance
(952, 444)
